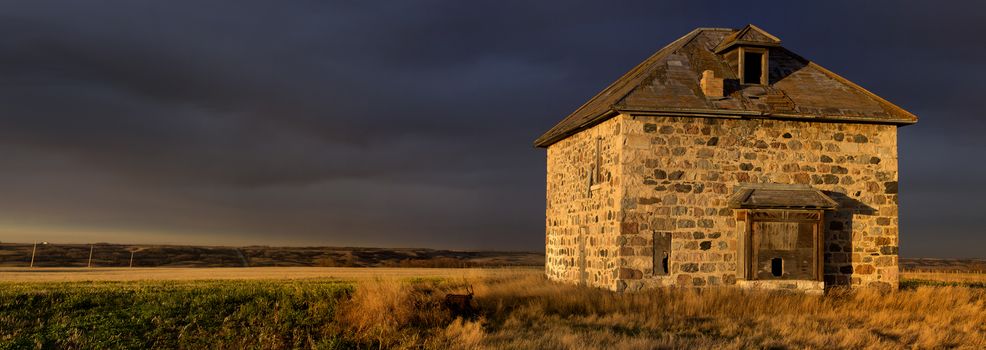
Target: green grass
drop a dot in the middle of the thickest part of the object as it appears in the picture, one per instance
(914, 283)
(200, 314)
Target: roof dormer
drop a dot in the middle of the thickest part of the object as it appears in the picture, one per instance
(748, 51)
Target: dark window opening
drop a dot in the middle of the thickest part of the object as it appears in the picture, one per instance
(777, 267)
(661, 253)
(596, 172)
(752, 68)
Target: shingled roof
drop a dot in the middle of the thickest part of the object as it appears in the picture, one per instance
(667, 83)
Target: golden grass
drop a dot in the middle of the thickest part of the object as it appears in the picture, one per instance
(526, 311)
(939, 276)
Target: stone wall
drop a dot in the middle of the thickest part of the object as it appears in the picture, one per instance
(678, 173)
(582, 227)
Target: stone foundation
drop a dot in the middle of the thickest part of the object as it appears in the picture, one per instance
(810, 287)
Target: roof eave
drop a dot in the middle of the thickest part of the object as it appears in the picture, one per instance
(760, 207)
(548, 139)
(738, 114)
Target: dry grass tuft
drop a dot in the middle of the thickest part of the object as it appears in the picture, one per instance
(394, 313)
(464, 334)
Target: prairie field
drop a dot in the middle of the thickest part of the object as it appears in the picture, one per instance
(947, 277)
(340, 308)
(141, 255)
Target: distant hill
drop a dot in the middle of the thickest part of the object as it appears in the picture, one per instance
(118, 255)
(943, 265)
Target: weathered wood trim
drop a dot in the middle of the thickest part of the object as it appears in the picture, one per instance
(783, 215)
(820, 247)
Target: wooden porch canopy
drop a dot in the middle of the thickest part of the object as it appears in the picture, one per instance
(780, 196)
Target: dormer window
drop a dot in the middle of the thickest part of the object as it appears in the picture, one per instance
(747, 51)
(753, 66)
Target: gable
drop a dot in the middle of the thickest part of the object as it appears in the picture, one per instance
(668, 83)
(749, 35)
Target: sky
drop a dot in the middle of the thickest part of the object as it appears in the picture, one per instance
(410, 123)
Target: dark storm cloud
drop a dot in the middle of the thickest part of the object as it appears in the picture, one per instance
(404, 123)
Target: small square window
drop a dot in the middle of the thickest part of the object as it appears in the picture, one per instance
(777, 267)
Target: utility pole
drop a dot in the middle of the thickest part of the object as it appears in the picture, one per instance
(35, 250)
(89, 265)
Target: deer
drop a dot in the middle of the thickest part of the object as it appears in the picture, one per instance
(460, 304)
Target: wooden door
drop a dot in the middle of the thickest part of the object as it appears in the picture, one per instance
(785, 245)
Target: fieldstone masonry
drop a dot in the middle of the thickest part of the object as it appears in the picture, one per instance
(583, 234)
(672, 175)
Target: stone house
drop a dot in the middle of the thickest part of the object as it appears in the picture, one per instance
(725, 159)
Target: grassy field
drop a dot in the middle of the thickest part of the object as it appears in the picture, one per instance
(380, 308)
(161, 314)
